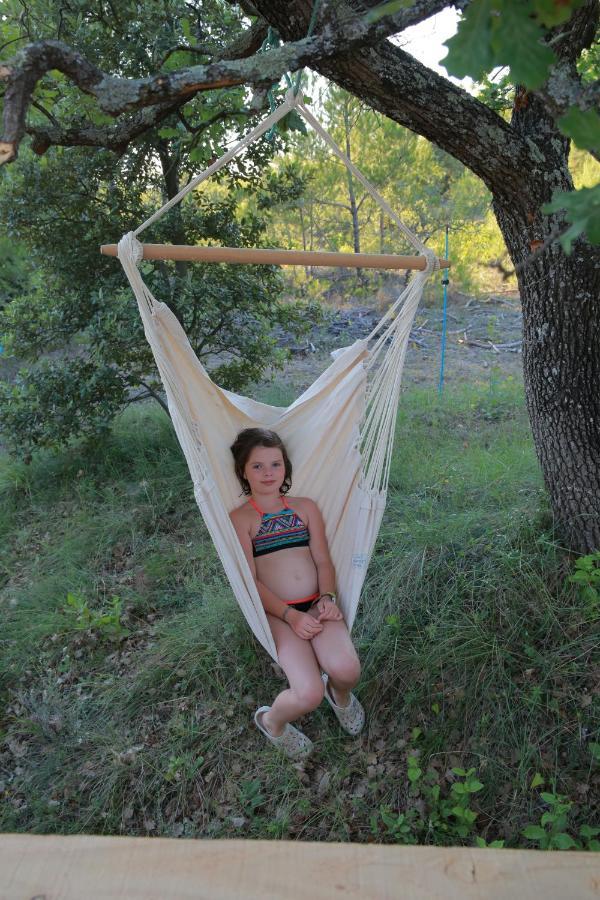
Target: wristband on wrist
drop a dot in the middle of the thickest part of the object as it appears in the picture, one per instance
(329, 594)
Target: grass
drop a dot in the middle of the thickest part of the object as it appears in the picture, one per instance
(480, 662)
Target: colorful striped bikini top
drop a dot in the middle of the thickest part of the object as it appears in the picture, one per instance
(279, 530)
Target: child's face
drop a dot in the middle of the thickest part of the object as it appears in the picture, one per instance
(265, 470)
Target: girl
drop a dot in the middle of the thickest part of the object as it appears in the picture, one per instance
(287, 552)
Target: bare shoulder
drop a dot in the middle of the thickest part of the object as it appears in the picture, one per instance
(241, 514)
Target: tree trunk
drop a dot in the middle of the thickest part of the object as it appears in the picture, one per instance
(170, 170)
(521, 163)
(303, 228)
(351, 192)
(560, 296)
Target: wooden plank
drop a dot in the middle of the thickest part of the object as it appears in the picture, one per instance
(56, 867)
(252, 256)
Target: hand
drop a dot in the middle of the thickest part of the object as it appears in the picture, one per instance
(327, 609)
(303, 624)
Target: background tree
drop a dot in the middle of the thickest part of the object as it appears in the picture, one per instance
(523, 163)
(76, 324)
(425, 185)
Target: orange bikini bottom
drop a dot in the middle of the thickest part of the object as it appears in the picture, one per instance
(305, 603)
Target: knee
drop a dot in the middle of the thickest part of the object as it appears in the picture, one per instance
(346, 672)
(310, 695)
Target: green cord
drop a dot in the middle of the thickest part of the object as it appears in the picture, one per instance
(311, 25)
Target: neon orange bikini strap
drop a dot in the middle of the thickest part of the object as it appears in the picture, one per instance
(259, 511)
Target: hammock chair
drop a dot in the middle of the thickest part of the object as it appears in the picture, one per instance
(338, 433)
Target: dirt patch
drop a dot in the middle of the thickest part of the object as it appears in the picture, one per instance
(483, 342)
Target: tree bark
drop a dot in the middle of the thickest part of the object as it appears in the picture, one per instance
(116, 95)
(560, 296)
(170, 170)
(521, 163)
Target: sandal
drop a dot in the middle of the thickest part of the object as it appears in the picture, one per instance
(291, 741)
(351, 717)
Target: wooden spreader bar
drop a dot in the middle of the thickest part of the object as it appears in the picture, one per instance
(251, 256)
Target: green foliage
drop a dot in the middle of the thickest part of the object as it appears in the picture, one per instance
(587, 577)
(283, 186)
(552, 834)
(182, 767)
(582, 206)
(251, 796)
(15, 271)
(427, 187)
(588, 64)
(160, 724)
(387, 8)
(446, 817)
(503, 33)
(470, 50)
(76, 323)
(106, 624)
(500, 32)
(53, 402)
(582, 127)
(292, 122)
(497, 92)
(582, 210)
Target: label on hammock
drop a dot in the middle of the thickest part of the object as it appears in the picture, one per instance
(360, 560)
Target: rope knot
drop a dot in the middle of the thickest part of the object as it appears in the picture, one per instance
(130, 248)
(431, 260)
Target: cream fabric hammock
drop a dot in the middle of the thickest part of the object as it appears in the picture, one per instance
(339, 432)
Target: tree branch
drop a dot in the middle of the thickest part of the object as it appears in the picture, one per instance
(399, 86)
(201, 49)
(151, 393)
(114, 138)
(564, 88)
(247, 44)
(218, 117)
(117, 95)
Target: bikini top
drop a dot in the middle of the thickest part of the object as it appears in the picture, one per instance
(279, 530)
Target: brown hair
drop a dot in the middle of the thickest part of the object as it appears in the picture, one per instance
(243, 446)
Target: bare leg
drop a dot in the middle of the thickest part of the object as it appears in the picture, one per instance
(299, 663)
(337, 656)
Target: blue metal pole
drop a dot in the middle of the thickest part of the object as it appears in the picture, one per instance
(445, 281)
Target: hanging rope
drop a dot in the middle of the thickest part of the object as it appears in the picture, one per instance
(279, 113)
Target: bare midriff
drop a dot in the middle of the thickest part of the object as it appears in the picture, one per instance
(290, 573)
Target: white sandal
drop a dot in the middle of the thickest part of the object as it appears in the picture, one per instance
(351, 717)
(291, 741)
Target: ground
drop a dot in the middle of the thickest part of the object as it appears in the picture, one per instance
(483, 341)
